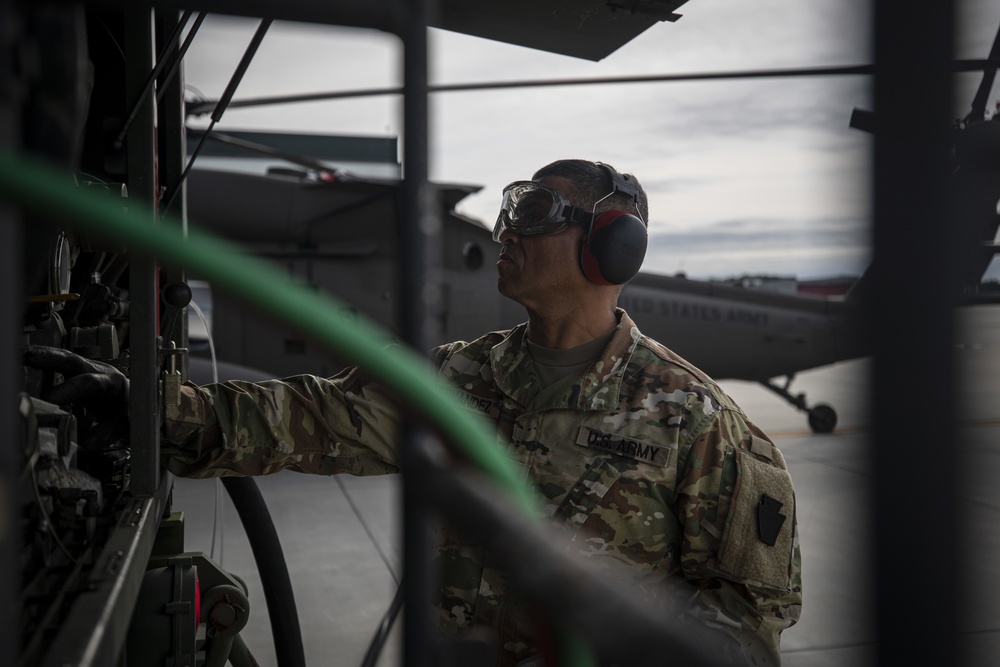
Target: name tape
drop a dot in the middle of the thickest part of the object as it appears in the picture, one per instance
(488, 407)
(622, 446)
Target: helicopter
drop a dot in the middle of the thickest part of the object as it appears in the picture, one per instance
(728, 332)
(328, 228)
(328, 232)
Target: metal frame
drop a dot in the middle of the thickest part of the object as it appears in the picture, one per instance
(912, 88)
(420, 242)
(142, 187)
(911, 317)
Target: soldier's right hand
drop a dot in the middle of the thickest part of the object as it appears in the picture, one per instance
(100, 389)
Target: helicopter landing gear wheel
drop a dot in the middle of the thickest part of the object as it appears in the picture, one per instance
(822, 418)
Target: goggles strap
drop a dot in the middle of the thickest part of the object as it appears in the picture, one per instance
(578, 215)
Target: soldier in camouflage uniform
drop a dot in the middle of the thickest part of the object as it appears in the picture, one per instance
(649, 470)
(644, 464)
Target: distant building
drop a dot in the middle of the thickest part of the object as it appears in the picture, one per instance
(836, 286)
(822, 287)
(782, 284)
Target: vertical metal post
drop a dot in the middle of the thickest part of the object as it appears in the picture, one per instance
(419, 242)
(11, 307)
(144, 407)
(11, 300)
(171, 151)
(910, 315)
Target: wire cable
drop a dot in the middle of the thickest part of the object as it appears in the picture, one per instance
(177, 58)
(220, 107)
(161, 62)
(382, 632)
(367, 529)
(218, 523)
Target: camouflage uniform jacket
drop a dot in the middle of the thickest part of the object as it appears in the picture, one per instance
(650, 470)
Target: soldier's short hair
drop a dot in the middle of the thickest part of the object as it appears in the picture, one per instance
(591, 182)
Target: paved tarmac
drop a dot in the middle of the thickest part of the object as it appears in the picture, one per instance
(341, 538)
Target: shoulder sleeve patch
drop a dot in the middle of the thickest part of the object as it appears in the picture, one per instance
(758, 541)
(769, 519)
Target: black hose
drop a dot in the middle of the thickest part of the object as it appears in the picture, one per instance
(240, 655)
(273, 570)
(382, 632)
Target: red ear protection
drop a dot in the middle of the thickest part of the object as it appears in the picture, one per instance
(614, 249)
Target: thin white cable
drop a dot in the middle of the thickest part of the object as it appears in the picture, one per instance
(218, 526)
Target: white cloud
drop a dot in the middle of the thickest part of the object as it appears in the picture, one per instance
(708, 152)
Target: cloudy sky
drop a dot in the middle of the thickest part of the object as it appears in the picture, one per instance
(758, 176)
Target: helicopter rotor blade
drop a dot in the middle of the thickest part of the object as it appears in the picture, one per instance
(206, 106)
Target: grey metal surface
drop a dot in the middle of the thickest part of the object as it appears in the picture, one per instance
(590, 29)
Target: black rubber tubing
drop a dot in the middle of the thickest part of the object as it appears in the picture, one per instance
(273, 570)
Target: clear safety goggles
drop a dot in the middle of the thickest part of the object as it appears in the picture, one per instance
(530, 208)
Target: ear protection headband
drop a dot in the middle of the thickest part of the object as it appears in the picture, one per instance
(615, 245)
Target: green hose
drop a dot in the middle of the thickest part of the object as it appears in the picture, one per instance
(44, 191)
